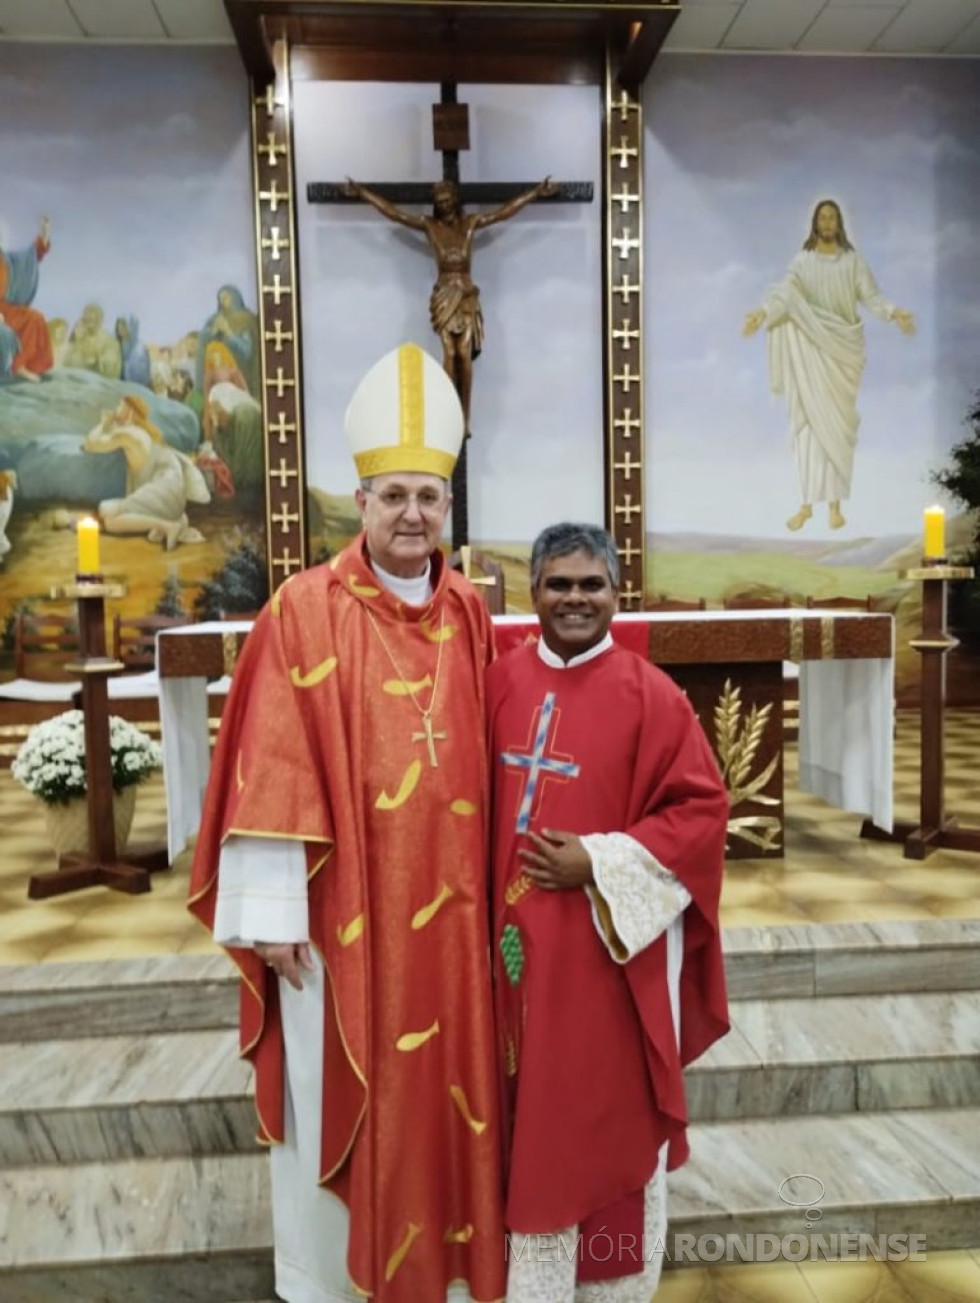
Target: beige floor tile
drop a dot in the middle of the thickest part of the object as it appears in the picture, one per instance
(853, 1282)
(942, 1278)
(761, 1282)
(686, 1285)
(73, 949)
(866, 911)
(954, 908)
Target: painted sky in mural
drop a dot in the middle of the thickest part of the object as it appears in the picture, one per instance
(738, 153)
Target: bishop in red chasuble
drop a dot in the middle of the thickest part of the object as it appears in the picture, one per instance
(354, 735)
(609, 821)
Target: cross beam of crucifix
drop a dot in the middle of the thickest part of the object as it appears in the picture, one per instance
(454, 306)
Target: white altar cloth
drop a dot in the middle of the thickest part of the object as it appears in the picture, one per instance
(847, 710)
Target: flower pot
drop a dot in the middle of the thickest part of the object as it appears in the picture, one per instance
(67, 823)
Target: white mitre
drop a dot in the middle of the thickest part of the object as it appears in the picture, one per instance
(405, 415)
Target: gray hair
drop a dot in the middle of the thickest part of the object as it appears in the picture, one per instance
(563, 539)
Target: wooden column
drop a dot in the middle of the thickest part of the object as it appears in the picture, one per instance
(275, 224)
(623, 329)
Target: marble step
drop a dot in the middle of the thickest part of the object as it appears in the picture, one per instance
(111, 1098)
(852, 958)
(114, 997)
(108, 1098)
(914, 1172)
(190, 992)
(842, 1054)
(172, 1230)
(199, 1230)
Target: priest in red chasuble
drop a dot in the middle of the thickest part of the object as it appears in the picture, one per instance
(608, 832)
(342, 860)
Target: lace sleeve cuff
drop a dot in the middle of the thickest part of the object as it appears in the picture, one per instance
(634, 898)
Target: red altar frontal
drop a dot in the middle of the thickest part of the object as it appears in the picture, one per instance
(731, 665)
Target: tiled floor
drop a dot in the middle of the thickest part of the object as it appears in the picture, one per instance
(941, 1278)
(828, 874)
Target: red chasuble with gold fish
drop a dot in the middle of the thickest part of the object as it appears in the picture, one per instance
(355, 724)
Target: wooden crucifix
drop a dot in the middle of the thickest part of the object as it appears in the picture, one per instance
(454, 306)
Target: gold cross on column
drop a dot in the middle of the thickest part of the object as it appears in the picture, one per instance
(282, 427)
(274, 196)
(273, 147)
(624, 151)
(626, 378)
(277, 289)
(279, 382)
(275, 243)
(279, 336)
(429, 737)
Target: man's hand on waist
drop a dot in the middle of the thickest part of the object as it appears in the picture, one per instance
(556, 861)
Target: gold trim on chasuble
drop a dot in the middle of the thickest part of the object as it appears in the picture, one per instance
(274, 188)
(623, 298)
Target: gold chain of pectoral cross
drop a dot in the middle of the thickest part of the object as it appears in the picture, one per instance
(428, 734)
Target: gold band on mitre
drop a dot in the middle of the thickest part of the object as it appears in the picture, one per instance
(423, 461)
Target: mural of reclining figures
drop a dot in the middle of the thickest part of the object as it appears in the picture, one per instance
(160, 481)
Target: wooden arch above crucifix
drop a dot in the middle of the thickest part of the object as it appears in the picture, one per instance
(610, 45)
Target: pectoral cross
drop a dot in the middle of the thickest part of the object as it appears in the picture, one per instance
(430, 738)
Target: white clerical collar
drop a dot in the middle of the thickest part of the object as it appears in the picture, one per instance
(556, 663)
(413, 592)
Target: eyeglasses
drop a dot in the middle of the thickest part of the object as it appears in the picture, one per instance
(396, 501)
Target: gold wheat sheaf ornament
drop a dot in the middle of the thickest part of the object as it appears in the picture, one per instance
(737, 740)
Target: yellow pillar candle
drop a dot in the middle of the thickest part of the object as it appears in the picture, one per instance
(88, 546)
(934, 533)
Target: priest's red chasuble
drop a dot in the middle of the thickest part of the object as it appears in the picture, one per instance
(590, 1053)
(355, 724)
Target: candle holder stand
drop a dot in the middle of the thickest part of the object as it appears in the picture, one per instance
(935, 828)
(102, 865)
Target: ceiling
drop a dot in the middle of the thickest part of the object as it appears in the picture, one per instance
(888, 27)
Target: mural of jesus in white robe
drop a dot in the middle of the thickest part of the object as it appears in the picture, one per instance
(817, 356)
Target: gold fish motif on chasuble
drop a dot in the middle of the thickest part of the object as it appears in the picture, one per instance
(362, 590)
(406, 787)
(463, 1104)
(310, 680)
(462, 1236)
(405, 687)
(428, 912)
(464, 807)
(413, 1040)
(442, 634)
(349, 934)
(276, 603)
(398, 1257)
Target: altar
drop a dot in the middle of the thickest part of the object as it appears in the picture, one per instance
(730, 663)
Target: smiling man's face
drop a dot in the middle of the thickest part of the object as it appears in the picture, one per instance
(575, 603)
